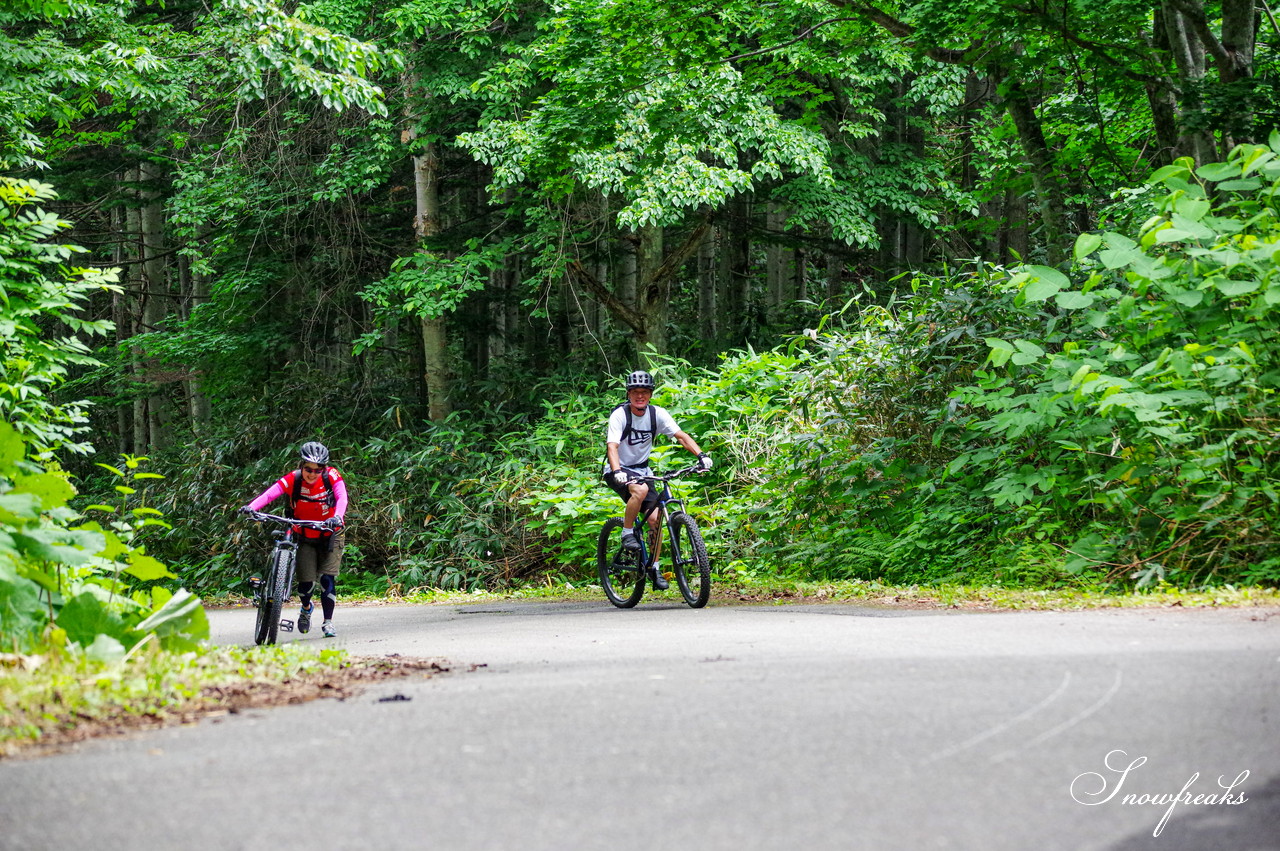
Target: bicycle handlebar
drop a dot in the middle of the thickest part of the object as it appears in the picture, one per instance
(684, 471)
(261, 516)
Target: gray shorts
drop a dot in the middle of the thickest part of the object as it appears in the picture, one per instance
(315, 559)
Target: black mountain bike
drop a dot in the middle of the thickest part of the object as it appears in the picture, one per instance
(623, 571)
(270, 594)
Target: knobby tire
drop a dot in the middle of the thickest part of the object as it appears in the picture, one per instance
(620, 574)
(276, 590)
(693, 568)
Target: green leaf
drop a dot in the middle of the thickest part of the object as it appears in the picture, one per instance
(176, 608)
(1174, 172)
(16, 507)
(1045, 283)
(1211, 171)
(180, 622)
(1236, 288)
(1088, 551)
(51, 545)
(1193, 209)
(1188, 298)
(12, 449)
(146, 568)
(1086, 244)
(52, 490)
(1172, 234)
(85, 617)
(1075, 300)
(1117, 258)
(105, 649)
(1244, 185)
(1028, 347)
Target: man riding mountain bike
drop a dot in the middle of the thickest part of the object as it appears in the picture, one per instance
(315, 491)
(628, 442)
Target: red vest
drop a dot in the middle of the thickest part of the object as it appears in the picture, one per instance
(314, 501)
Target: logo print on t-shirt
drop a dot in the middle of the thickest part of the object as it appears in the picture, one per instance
(638, 437)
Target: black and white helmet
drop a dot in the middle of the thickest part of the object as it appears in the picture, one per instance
(640, 380)
(315, 453)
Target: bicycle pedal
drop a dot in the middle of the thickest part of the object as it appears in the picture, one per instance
(286, 625)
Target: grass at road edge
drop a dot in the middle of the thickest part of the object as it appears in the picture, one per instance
(50, 701)
(749, 590)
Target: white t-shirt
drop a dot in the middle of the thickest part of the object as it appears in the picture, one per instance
(633, 452)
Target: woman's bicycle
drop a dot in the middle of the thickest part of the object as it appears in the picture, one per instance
(623, 571)
(270, 594)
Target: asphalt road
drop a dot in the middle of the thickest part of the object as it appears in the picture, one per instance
(567, 726)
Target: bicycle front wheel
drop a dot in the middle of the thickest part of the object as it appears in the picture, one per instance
(620, 573)
(274, 593)
(693, 568)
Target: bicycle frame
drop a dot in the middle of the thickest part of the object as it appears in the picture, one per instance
(665, 500)
(271, 595)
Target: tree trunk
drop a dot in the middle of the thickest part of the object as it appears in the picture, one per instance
(647, 319)
(735, 270)
(708, 327)
(653, 301)
(196, 292)
(800, 275)
(155, 282)
(1188, 51)
(774, 263)
(835, 275)
(120, 315)
(426, 184)
(135, 286)
(628, 269)
(1045, 174)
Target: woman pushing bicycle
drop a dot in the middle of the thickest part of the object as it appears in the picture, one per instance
(315, 491)
(628, 440)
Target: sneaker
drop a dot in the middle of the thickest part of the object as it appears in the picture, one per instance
(328, 630)
(659, 581)
(304, 618)
(629, 539)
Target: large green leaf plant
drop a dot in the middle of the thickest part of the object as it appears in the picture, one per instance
(64, 583)
(1140, 401)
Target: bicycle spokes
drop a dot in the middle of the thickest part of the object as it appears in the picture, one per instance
(619, 567)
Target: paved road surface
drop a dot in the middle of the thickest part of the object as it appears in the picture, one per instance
(577, 726)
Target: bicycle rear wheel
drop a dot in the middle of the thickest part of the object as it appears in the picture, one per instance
(274, 592)
(693, 568)
(620, 573)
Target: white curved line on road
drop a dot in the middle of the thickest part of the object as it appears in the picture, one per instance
(1004, 725)
(1069, 723)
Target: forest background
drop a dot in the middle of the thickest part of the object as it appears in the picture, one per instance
(975, 292)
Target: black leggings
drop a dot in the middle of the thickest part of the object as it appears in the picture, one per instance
(328, 594)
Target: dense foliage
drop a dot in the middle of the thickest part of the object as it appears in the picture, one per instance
(65, 582)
